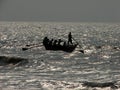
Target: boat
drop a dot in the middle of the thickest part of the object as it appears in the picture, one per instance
(55, 47)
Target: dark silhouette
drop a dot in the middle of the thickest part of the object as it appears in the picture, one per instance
(56, 45)
(70, 38)
(59, 41)
(51, 42)
(64, 44)
(45, 40)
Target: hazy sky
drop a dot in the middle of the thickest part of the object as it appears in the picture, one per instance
(60, 10)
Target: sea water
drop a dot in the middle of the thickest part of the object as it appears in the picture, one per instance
(98, 68)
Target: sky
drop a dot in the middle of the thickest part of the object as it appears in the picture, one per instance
(60, 10)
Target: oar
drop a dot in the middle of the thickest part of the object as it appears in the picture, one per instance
(77, 42)
(26, 48)
(81, 50)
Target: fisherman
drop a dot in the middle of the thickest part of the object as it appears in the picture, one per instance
(55, 43)
(59, 42)
(70, 38)
(51, 42)
(64, 44)
(45, 41)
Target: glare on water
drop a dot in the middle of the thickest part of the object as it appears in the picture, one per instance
(58, 69)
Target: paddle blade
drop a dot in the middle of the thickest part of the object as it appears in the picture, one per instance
(24, 49)
(82, 51)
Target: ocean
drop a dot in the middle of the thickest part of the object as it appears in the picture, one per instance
(98, 68)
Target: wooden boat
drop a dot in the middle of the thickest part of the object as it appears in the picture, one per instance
(56, 47)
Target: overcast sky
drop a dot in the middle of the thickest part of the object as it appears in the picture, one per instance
(60, 10)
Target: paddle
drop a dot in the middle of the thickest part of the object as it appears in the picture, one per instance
(81, 50)
(28, 47)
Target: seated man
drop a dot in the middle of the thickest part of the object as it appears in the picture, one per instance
(45, 41)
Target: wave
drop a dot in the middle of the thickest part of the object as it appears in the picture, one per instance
(100, 85)
(6, 60)
(85, 85)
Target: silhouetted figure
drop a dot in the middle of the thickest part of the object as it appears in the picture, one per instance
(70, 38)
(59, 41)
(55, 43)
(51, 42)
(45, 41)
(64, 44)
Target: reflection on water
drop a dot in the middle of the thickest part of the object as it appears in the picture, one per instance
(57, 69)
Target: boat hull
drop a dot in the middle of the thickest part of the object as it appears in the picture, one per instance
(67, 48)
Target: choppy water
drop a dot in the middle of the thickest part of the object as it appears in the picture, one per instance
(58, 70)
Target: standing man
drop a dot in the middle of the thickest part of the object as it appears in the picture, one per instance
(70, 38)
